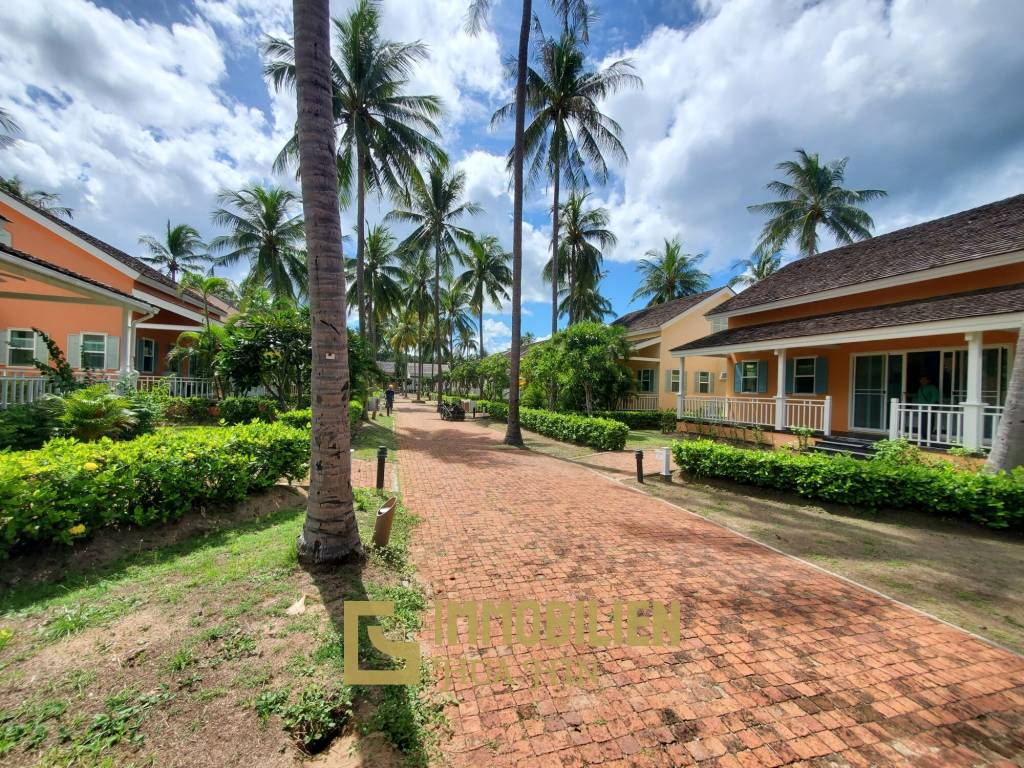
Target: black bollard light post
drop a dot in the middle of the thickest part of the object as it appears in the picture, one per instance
(639, 466)
(382, 455)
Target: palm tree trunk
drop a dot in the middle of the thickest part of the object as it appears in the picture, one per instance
(438, 376)
(330, 533)
(1008, 445)
(481, 318)
(513, 434)
(554, 244)
(360, 240)
(419, 357)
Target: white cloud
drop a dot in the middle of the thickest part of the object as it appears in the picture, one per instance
(497, 334)
(916, 92)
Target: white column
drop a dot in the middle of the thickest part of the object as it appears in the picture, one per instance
(127, 342)
(973, 407)
(780, 389)
(682, 388)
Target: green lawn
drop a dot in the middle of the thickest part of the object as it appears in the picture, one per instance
(373, 434)
(649, 438)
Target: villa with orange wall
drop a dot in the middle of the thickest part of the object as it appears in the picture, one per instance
(109, 311)
(908, 334)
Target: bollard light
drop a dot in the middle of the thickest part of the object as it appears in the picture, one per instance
(382, 455)
(665, 454)
(639, 466)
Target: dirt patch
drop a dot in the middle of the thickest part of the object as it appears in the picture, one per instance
(109, 545)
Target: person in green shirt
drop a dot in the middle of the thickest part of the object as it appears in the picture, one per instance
(927, 393)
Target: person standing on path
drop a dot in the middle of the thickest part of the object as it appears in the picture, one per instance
(389, 398)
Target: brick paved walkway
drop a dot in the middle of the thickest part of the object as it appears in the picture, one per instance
(779, 662)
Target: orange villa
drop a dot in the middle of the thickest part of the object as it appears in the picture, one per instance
(110, 313)
(909, 334)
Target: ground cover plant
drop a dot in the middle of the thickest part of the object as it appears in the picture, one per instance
(597, 433)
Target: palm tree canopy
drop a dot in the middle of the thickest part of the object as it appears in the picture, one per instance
(455, 313)
(8, 128)
(755, 269)
(487, 272)
(669, 274)
(177, 252)
(813, 196)
(263, 231)
(47, 201)
(584, 302)
(369, 74)
(567, 131)
(585, 236)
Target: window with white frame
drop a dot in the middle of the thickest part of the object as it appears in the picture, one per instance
(645, 380)
(803, 376)
(719, 324)
(21, 347)
(674, 380)
(748, 376)
(147, 356)
(705, 382)
(94, 351)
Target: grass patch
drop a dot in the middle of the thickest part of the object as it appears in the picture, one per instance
(373, 434)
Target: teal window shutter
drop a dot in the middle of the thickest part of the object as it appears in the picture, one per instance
(75, 350)
(790, 370)
(820, 375)
(737, 378)
(113, 359)
(762, 376)
(668, 380)
(138, 354)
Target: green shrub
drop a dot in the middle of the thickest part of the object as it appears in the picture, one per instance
(191, 410)
(69, 488)
(602, 434)
(317, 716)
(993, 500)
(641, 419)
(148, 408)
(303, 417)
(96, 412)
(27, 426)
(242, 410)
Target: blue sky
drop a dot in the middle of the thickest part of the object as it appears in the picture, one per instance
(137, 111)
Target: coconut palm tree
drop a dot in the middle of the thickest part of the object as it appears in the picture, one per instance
(330, 533)
(384, 132)
(755, 269)
(263, 230)
(485, 278)
(434, 205)
(417, 290)
(8, 128)
(45, 201)
(814, 196)
(456, 319)
(572, 12)
(669, 274)
(584, 302)
(1008, 445)
(580, 251)
(568, 132)
(400, 335)
(382, 275)
(178, 251)
(206, 286)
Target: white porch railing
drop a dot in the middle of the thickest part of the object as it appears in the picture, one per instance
(926, 424)
(991, 416)
(26, 387)
(645, 402)
(758, 411)
(177, 386)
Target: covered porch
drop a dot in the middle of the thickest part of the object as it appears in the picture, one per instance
(864, 373)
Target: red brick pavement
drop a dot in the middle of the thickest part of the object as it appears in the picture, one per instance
(779, 662)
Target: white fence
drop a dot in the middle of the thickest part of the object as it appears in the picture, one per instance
(177, 386)
(26, 388)
(646, 402)
(759, 411)
(941, 425)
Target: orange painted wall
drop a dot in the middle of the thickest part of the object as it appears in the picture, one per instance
(840, 365)
(987, 278)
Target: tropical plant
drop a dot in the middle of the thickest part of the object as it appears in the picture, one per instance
(178, 251)
(485, 278)
(814, 196)
(330, 532)
(263, 230)
(1008, 444)
(585, 236)
(669, 274)
(455, 317)
(434, 205)
(573, 12)
(382, 276)
(582, 300)
(56, 369)
(96, 412)
(384, 132)
(8, 128)
(205, 286)
(417, 290)
(401, 336)
(45, 201)
(755, 269)
(200, 349)
(567, 131)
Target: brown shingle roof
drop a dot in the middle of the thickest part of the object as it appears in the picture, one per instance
(66, 272)
(986, 301)
(984, 231)
(659, 314)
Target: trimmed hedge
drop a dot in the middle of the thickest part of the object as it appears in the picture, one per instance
(663, 420)
(68, 489)
(303, 418)
(242, 410)
(602, 434)
(992, 500)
